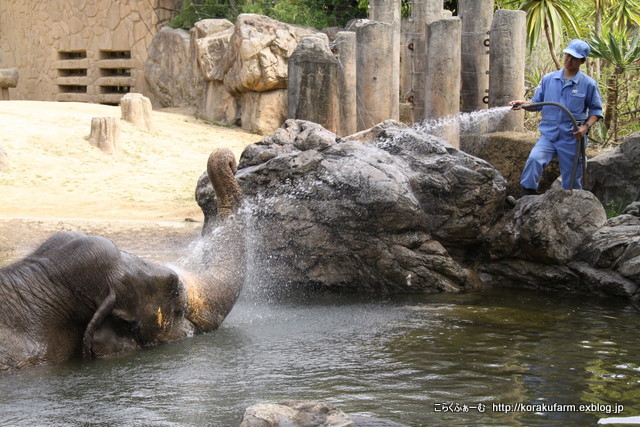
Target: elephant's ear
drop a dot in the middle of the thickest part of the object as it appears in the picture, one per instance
(107, 333)
(97, 320)
(114, 336)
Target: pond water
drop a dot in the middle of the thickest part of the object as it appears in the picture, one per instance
(414, 360)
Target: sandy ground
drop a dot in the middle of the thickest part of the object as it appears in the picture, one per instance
(52, 179)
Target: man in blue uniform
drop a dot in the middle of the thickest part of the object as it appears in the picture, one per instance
(579, 93)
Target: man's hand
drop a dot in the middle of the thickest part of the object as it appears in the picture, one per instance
(581, 132)
(517, 104)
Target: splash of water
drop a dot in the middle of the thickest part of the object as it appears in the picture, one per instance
(262, 265)
(481, 121)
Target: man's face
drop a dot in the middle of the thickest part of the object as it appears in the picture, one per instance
(571, 63)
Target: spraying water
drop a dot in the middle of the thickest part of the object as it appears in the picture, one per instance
(481, 121)
(297, 198)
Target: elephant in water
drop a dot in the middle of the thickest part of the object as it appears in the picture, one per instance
(79, 295)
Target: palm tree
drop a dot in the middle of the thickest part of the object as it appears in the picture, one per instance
(550, 17)
(625, 14)
(623, 54)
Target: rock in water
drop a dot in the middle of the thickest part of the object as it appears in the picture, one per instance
(295, 414)
(346, 215)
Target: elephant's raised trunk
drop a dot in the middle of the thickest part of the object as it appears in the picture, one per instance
(212, 291)
(221, 168)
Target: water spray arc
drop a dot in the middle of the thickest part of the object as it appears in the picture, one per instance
(580, 148)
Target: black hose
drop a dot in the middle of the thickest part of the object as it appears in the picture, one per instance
(580, 148)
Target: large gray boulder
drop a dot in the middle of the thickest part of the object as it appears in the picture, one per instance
(295, 414)
(549, 229)
(562, 240)
(394, 210)
(616, 247)
(344, 214)
(461, 195)
(615, 175)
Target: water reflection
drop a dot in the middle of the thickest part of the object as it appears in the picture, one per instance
(398, 359)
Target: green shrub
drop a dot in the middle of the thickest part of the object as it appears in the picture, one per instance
(310, 13)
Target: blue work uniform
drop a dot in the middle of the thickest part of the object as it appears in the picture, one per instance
(581, 96)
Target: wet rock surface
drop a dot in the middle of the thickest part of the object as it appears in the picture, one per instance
(615, 176)
(549, 228)
(307, 413)
(395, 210)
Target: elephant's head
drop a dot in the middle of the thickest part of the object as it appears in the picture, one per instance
(146, 306)
(153, 303)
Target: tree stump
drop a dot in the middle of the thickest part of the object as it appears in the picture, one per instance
(4, 163)
(8, 78)
(105, 134)
(136, 109)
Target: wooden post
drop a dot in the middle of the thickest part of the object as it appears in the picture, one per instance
(105, 134)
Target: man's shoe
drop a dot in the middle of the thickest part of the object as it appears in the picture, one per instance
(528, 192)
(511, 201)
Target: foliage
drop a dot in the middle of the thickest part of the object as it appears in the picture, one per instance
(625, 15)
(404, 4)
(613, 64)
(551, 18)
(614, 209)
(193, 11)
(622, 53)
(311, 13)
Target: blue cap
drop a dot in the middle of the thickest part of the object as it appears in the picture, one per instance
(578, 49)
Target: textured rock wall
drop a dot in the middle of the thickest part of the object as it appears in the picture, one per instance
(229, 73)
(79, 50)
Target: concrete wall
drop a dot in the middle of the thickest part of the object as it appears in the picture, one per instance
(79, 50)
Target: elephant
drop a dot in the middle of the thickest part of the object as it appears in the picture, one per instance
(78, 295)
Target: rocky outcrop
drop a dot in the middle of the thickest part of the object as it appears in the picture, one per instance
(549, 229)
(461, 196)
(345, 215)
(259, 49)
(632, 209)
(562, 240)
(615, 248)
(171, 72)
(395, 210)
(263, 112)
(615, 176)
(240, 70)
(211, 43)
(212, 38)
